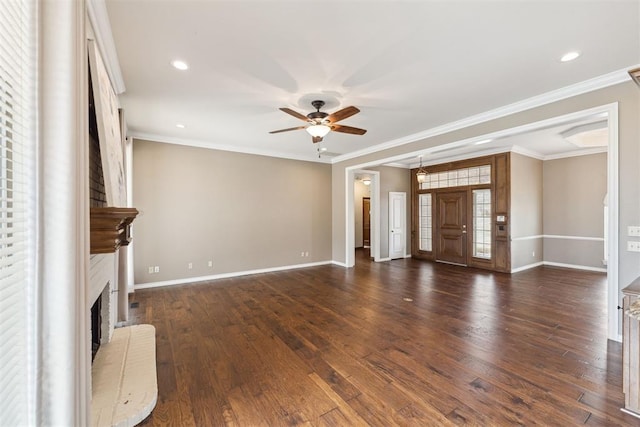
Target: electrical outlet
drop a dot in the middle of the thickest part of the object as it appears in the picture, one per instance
(302, 253)
(633, 231)
(306, 254)
(633, 246)
(210, 264)
(190, 266)
(150, 270)
(533, 254)
(156, 269)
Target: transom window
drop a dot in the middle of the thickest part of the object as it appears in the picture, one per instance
(456, 178)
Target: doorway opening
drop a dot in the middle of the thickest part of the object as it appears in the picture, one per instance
(363, 213)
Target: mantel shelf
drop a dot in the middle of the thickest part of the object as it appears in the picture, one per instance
(110, 228)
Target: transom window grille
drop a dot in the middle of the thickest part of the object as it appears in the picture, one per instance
(482, 223)
(456, 178)
(426, 222)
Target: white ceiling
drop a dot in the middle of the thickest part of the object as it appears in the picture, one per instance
(409, 66)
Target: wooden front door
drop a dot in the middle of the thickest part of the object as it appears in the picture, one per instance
(366, 222)
(451, 223)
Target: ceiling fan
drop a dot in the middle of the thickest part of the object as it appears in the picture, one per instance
(321, 123)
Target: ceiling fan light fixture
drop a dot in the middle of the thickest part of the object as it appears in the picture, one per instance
(318, 123)
(318, 130)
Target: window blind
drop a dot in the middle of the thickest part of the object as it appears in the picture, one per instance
(18, 344)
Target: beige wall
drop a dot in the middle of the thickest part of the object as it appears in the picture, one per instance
(626, 95)
(241, 211)
(562, 198)
(574, 190)
(526, 210)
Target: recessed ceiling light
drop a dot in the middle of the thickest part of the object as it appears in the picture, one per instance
(484, 141)
(570, 56)
(180, 125)
(180, 65)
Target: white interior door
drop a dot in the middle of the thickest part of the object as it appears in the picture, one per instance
(397, 224)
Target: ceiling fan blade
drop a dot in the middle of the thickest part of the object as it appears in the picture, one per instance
(348, 129)
(295, 114)
(316, 139)
(342, 114)
(288, 129)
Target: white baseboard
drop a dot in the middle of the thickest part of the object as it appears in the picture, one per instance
(576, 267)
(558, 264)
(527, 267)
(228, 275)
(391, 259)
(339, 264)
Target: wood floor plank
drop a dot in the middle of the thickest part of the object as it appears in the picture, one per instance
(344, 408)
(405, 342)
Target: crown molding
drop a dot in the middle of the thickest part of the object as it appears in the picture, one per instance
(223, 147)
(586, 86)
(498, 150)
(585, 152)
(635, 75)
(475, 154)
(99, 18)
(397, 165)
(528, 153)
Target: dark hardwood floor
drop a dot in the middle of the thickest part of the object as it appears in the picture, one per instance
(403, 342)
